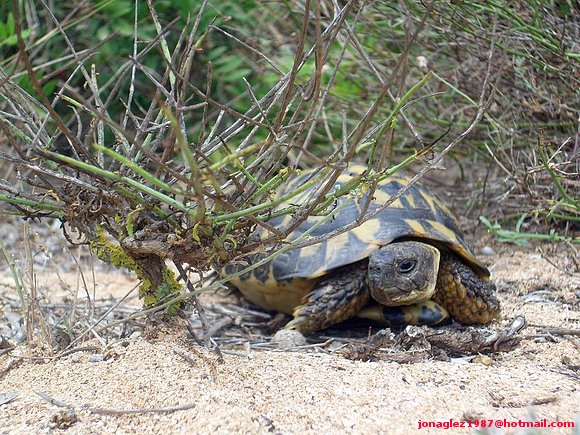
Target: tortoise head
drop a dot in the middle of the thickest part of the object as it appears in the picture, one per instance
(403, 273)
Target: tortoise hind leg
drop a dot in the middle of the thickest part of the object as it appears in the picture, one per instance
(336, 298)
(467, 297)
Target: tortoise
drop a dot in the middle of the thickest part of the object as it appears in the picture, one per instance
(408, 264)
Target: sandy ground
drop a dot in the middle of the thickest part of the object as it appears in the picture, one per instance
(119, 386)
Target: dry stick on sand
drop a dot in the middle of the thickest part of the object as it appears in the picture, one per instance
(113, 411)
(556, 330)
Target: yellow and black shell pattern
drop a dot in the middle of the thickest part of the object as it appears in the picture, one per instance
(417, 214)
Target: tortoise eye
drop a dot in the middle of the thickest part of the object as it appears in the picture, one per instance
(407, 266)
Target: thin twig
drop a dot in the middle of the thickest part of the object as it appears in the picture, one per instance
(198, 305)
(162, 410)
(115, 411)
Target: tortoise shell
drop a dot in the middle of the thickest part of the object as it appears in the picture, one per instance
(418, 214)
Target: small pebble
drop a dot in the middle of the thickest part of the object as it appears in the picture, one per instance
(288, 338)
(96, 357)
(483, 359)
(487, 250)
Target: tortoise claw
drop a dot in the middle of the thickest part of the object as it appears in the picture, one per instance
(301, 324)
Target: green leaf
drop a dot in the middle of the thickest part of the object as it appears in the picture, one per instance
(237, 75)
(10, 26)
(216, 53)
(228, 64)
